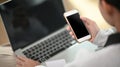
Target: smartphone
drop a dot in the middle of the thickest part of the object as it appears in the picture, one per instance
(78, 28)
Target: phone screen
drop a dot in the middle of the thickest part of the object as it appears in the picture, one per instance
(77, 25)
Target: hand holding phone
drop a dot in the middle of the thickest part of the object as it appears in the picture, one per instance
(77, 26)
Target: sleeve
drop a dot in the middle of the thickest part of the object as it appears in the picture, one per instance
(102, 36)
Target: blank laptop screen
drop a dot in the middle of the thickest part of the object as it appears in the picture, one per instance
(26, 23)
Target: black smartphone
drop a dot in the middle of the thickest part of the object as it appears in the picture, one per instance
(78, 28)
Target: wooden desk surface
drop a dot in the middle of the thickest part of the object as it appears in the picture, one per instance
(3, 35)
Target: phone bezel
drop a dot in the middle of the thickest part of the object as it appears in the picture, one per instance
(69, 13)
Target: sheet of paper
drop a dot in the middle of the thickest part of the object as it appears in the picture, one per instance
(40, 66)
(56, 63)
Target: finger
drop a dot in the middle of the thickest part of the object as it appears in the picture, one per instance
(21, 58)
(37, 63)
(34, 61)
(18, 66)
(71, 33)
(19, 62)
(88, 21)
(83, 19)
(91, 40)
(68, 28)
(73, 37)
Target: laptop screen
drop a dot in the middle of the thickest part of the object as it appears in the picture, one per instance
(26, 22)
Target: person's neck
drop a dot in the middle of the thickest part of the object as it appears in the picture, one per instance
(117, 25)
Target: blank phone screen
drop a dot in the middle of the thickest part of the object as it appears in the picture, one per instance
(77, 25)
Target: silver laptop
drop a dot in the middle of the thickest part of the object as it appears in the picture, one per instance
(36, 29)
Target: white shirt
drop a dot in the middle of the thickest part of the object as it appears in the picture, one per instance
(107, 57)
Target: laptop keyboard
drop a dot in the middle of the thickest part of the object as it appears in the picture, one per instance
(50, 47)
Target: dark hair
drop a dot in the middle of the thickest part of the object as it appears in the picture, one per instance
(115, 3)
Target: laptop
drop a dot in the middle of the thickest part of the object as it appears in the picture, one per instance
(36, 29)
